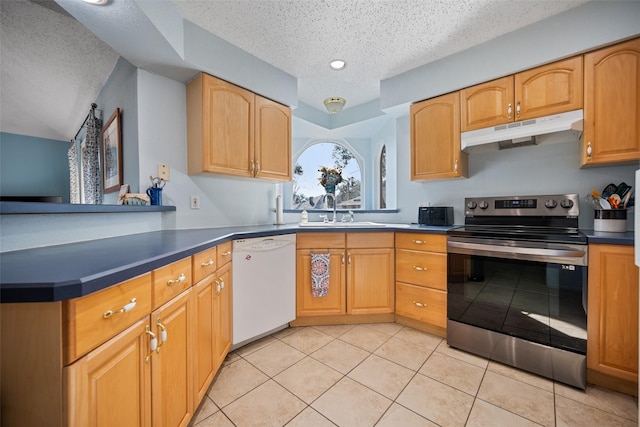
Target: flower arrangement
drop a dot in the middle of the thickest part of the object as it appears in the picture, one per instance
(330, 177)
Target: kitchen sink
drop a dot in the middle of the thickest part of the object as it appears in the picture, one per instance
(355, 224)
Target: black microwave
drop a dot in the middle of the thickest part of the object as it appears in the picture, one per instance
(435, 215)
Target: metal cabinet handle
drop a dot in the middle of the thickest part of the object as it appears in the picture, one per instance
(419, 242)
(342, 258)
(509, 110)
(127, 307)
(420, 304)
(257, 168)
(207, 264)
(455, 166)
(180, 279)
(253, 168)
(163, 334)
(518, 110)
(227, 253)
(153, 344)
(418, 268)
(589, 150)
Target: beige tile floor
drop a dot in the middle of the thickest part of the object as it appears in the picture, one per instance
(390, 375)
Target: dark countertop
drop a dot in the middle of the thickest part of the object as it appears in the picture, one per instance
(56, 273)
(60, 272)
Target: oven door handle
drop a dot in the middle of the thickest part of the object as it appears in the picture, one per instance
(553, 255)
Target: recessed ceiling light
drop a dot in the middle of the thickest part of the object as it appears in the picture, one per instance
(337, 64)
(97, 2)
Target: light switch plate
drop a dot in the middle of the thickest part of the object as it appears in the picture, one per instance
(163, 172)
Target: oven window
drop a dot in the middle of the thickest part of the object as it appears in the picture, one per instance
(536, 301)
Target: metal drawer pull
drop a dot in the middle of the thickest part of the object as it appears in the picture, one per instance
(419, 242)
(419, 304)
(418, 268)
(227, 253)
(180, 279)
(127, 307)
(207, 264)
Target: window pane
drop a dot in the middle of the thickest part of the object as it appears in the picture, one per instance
(307, 191)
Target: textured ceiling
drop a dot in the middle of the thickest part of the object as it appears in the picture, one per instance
(52, 67)
(378, 39)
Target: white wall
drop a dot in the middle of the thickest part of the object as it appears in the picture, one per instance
(162, 131)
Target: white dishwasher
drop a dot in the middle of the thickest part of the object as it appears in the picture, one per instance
(264, 286)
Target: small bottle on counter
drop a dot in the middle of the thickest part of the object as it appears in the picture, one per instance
(304, 217)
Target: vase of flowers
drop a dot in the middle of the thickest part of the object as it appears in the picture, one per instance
(329, 178)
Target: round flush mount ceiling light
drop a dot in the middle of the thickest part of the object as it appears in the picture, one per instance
(334, 104)
(97, 2)
(337, 64)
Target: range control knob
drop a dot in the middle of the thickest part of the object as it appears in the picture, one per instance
(472, 205)
(484, 205)
(566, 203)
(551, 203)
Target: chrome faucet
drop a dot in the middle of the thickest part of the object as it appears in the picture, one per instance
(333, 198)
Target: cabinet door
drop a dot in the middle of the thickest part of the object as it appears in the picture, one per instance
(487, 104)
(228, 133)
(550, 89)
(111, 385)
(612, 326)
(203, 337)
(334, 302)
(171, 365)
(370, 281)
(435, 139)
(272, 140)
(612, 105)
(223, 328)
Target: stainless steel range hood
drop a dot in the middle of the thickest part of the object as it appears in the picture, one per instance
(549, 129)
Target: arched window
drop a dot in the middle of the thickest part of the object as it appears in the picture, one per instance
(307, 193)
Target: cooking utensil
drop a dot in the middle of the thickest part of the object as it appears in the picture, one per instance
(626, 200)
(596, 194)
(614, 200)
(623, 189)
(609, 190)
(604, 204)
(593, 201)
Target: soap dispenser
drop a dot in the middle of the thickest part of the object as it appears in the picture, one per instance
(304, 217)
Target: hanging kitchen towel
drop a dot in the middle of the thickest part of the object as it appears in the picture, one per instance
(320, 274)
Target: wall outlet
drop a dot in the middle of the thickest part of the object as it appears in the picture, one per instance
(163, 172)
(195, 202)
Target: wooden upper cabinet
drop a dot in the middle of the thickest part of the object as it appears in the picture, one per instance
(541, 91)
(550, 89)
(612, 105)
(435, 139)
(220, 120)
(233, 131)
(487, 104)
(272, 140)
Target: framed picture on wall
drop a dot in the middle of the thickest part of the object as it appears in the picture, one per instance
(112, 153)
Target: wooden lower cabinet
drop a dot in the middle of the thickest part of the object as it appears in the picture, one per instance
(421, 281)
(111, 386)
(212, 334)
(171, 364)
(612, 323)
(361, 277)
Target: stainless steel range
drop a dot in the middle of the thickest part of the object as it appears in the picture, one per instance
(517, 284)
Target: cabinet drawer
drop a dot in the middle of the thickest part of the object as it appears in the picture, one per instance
(204, 263)
(422, 268)
(422, 242)
(224, 253)
(320, 240)
(171, 280)
(88, 322)
(422, 304)
(369, 240)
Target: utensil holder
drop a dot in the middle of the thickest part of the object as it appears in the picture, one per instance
(614, 220)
